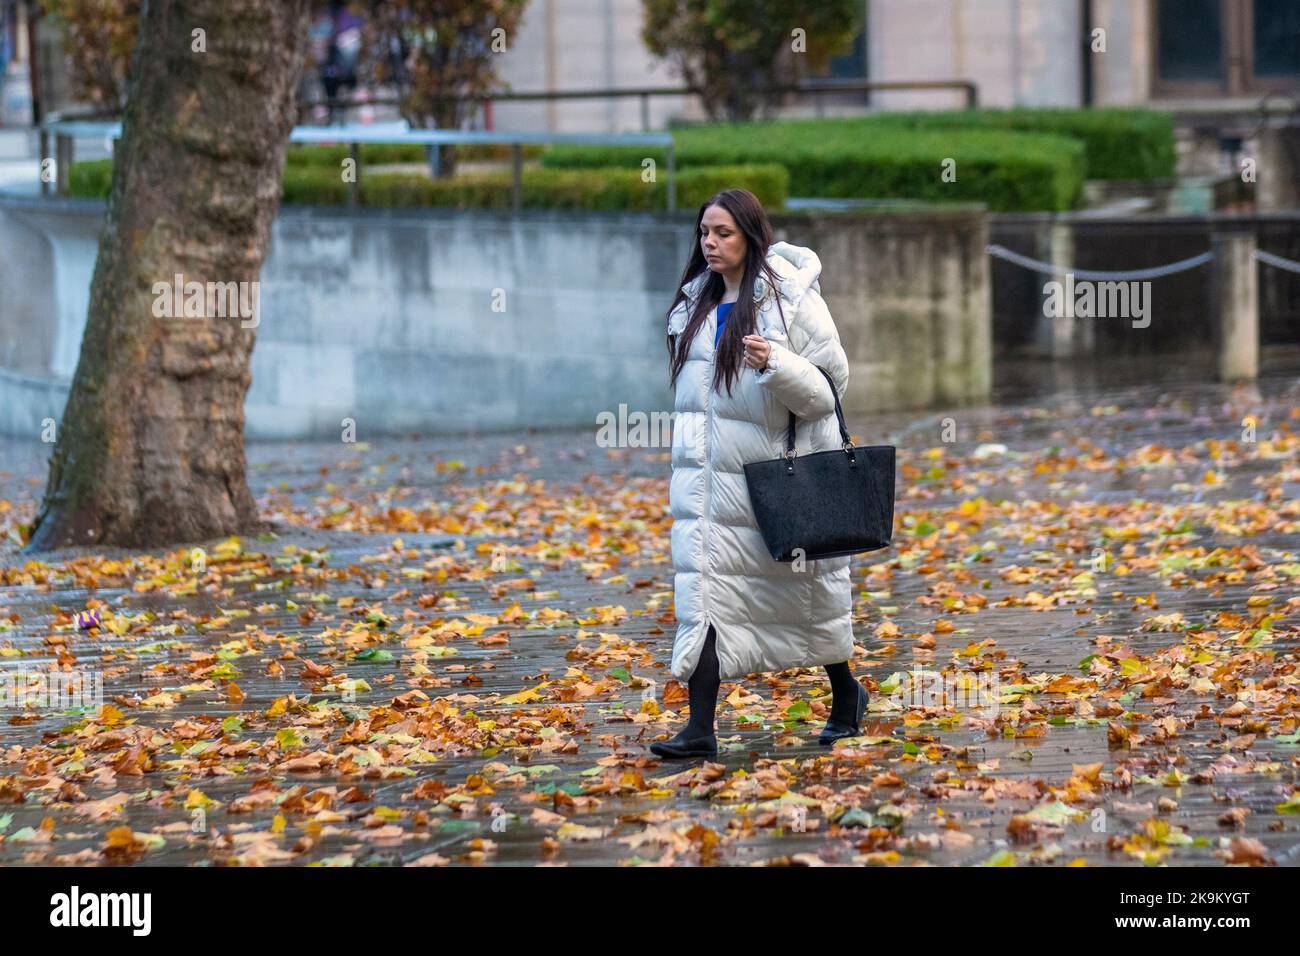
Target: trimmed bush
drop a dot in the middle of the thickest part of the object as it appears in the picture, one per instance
(541, 188)
(770, 182)
(499, 152)
(308, 184)
(573, 189)
(1013, 160)
(91, 178)
(1118, 143)
(372, 154)
(375, 154)
(313, 185)
(863, 158)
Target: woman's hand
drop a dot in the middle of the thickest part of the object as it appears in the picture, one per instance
(757, 349)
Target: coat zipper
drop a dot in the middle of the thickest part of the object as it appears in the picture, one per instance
(708, 472)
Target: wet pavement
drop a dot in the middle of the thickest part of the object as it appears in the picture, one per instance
(455, 650)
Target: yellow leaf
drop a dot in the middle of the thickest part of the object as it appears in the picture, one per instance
(197, 798)
(230, 548)
(525, 695)
(576, 831)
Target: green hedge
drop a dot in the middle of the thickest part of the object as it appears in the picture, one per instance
(864, 158)
(574, 189)
(1118, 143)
(91, 177)
(373, 154)
(541, 188)
(497, 151)
(1012, 160)
(314, 185)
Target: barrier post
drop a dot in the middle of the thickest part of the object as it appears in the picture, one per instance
(62, 163)
(516, 175)
(672, 179)
(1236, 303)
(354, 187)
(45, 154)
(1060, 335)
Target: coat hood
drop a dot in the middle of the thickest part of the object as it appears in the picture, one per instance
(798, 267)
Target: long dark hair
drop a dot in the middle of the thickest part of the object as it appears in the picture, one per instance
(751, 220)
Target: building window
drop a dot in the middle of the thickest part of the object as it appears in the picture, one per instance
(852, 65)
(1276, 38)
(1189, 44)
(1225, 47)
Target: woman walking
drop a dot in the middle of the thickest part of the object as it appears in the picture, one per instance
(746, 333)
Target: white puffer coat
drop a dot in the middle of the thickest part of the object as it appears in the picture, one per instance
(767, 615)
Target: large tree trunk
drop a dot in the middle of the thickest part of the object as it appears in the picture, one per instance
(151, 447)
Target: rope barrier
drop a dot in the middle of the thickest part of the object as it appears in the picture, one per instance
(1290, 265)
(1155, 272)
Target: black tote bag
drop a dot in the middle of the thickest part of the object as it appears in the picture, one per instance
(827, 503)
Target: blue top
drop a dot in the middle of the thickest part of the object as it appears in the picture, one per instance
(723, 309)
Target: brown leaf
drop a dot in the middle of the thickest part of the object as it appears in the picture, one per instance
(1248, 850)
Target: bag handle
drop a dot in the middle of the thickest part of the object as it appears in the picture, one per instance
(839, 414)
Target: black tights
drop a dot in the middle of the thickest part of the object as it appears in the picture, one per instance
(702, 689)
(844, 693)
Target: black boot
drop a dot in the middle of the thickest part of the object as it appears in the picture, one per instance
(683, 746)
(697, 738)
(846, 693)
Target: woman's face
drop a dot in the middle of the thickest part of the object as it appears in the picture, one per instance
(722, 243)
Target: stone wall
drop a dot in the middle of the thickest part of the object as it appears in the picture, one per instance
(442, 321)
(909, 292)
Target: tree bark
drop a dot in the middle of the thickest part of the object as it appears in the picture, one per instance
(150, 451)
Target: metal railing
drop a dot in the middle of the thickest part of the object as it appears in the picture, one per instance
(65, 131)
(814, 88)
